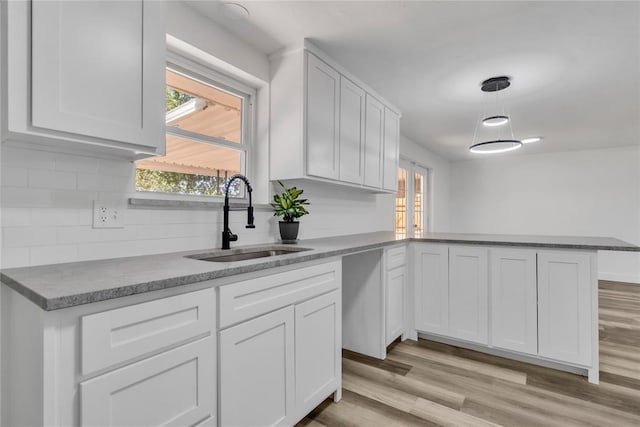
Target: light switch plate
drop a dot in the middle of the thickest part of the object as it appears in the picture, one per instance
(107, 214)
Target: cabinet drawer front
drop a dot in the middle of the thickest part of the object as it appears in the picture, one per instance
(172, 388)
(243, 300)
(115, 336)
(396, 257)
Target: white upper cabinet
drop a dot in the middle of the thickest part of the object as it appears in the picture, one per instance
(374, 134)
(391, 149)
(322, 118)
(352, 102)
(327, 125)
(97, 75)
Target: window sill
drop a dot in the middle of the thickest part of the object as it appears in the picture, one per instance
(139, 203)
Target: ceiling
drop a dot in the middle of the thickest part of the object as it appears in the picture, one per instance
(575, 66)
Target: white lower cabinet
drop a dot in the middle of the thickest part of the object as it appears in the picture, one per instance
(395, 297)
(432, 288)
(541, 303)
(565, 323)
(142, 360)
(513, 300)
(173, 388)
(285, 359)
(257, 371)
(318, 345)
(468, 294)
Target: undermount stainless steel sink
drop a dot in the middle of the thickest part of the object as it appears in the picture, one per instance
(243, 254)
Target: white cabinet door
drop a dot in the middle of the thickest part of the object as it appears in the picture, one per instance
(318, 350)
(173, 388)
(391, 149)
(98, 69)
(374, 140)
(322, 119)
(468, 294)
(514, 300)
(432, 288)
(564, 306)
(257, 371)
(394, 319)
(351, 132)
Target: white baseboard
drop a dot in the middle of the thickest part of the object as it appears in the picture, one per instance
(615, 277)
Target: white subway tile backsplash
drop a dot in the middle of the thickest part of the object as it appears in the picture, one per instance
(47, 213)
(85, 216)
(88, 251)
(27, 158)
(156, 216)
(14, 177)
(117, 234)
(15, 197)
(16, 217)
(14, 257)
(75, 199)
(116, 168)
(16, 237)
(52, 179)
(70, 163)
(94, 182)
(54, 216)
(53, 254)
(78, 234)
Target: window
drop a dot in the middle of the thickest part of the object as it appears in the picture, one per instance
(206, 141)
(412, 199)
(401, 202)
(418, 201)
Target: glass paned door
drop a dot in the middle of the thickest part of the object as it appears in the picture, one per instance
(401, 202)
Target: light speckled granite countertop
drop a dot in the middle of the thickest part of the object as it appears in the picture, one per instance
(57, 286)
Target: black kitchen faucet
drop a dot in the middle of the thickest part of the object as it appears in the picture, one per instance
(227, 235)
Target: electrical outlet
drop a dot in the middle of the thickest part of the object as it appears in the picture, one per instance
(107, 215)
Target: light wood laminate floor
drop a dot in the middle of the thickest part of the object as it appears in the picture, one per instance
(426, 383)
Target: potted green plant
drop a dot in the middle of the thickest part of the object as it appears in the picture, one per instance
(290, 207)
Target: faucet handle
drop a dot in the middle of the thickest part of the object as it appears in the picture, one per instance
(250, 226)
(233, 237)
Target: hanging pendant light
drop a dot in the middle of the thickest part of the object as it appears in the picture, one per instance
(502, 143)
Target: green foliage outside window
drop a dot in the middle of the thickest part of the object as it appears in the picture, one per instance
(183, 183)
(174, 99)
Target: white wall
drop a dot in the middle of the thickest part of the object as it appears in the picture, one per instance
(440, 180)
(581, 193)
(47, 197)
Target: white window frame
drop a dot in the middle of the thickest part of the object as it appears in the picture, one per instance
(427, 198)
(202, 73)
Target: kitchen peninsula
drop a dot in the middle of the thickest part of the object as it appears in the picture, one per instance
(83, 332)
